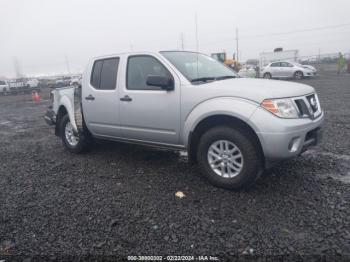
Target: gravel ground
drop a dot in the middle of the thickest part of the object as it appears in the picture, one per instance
(119, 200)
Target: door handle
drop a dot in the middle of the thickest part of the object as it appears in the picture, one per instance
(90, 97)
(126, 98)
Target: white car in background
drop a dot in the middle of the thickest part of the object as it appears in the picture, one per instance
(247, 72)
(32, 83)
(4, 86)
(284, 69)
(311, 68)
(75, 81)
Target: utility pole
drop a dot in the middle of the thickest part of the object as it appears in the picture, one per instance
(18, 68)
(197, 44)
(182, 42)
(236, 44)
(67, 64)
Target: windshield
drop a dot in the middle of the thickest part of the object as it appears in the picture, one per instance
(297, 64)
(198, 67)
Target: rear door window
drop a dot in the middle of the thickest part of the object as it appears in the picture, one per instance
(96, 74)
(286, 64)
(109, 74)
(104, 74)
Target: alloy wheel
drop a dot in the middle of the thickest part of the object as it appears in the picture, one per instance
(225, 158)
(71, 138)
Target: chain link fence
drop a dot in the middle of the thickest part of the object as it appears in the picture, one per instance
(327, 62)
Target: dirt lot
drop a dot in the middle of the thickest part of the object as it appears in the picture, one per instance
(119, 200)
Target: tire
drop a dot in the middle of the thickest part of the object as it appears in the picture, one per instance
(267, 76)
(251, 159)
(74, 143)
(298, 75)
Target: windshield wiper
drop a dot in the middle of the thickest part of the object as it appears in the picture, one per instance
(211, 78)
(224, 77)
(203, 79)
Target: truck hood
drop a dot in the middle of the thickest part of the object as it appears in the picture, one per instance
(257, 89)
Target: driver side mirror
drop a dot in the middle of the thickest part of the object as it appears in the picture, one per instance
(164, 82)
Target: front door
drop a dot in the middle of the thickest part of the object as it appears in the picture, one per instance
(100, 98)
(148, 113)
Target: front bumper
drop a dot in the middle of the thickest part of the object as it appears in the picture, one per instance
(309, 74)
(50, 116)
(286, 138)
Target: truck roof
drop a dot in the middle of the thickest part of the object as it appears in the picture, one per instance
(124, 53)
(140, 53)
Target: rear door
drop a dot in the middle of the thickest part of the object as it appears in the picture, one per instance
(100, 98)
(148, 113)
(275, 69)
(286, 69)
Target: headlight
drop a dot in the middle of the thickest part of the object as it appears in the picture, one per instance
(284, 108)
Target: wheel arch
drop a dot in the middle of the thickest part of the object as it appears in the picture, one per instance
(299, 71)
(61, 112)
(67, 106)
(220, 120)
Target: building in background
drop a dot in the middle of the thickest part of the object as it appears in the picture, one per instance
(277, 55)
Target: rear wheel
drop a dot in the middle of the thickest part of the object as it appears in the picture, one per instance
(72, 141)
(267, 76)
(229, 158)
(298, 75)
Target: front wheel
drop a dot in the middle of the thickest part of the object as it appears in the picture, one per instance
(229, 158)
(72, 141)
(267, 76)
(298, 75)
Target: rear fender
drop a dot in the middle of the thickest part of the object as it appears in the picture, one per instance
(68, 103)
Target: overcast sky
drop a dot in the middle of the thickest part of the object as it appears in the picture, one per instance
(43, 34)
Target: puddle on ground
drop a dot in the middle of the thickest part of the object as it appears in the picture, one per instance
(332, 155)
(14, 126)
(343, 165)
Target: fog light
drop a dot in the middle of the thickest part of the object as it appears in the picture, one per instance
(294, 144)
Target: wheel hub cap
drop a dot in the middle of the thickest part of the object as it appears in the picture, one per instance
(225, 158)
(70, 135)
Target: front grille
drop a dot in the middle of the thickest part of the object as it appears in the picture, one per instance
(302, 107)
(313, 102)
(308, 106)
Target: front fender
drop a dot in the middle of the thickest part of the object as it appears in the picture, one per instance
(230, 106)
(68, 103)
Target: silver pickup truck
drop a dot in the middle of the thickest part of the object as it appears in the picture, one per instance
(232, 127)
